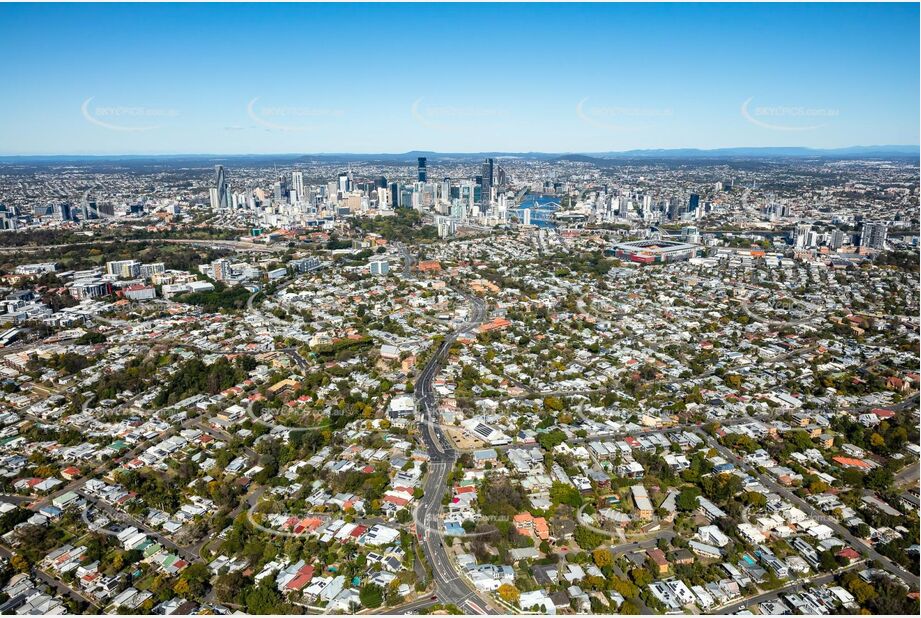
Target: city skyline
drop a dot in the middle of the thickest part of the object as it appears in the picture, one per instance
(399, 78)
(460, 309)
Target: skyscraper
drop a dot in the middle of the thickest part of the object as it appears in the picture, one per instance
(674, 209)
(489, 177)
(647, 206)
(423, 174)
(223, 191)
(88, 209)
(801, 236)
(693, 202)
(873, 235)
(297, 179)
(62, 211)
(396, 198)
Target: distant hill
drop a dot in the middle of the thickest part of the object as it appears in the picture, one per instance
(769, 151)
(883, 151)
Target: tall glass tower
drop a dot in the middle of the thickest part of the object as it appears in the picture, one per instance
(489, 177)
(423, 174)
(223, 191)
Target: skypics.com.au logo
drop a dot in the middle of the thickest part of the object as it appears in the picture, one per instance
(127, 118)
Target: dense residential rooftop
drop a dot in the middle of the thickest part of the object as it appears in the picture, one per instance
(362, 390)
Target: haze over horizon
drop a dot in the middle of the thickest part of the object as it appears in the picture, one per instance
(899, 150)
(285, 79)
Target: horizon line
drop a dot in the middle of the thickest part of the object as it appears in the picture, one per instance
(880, 147)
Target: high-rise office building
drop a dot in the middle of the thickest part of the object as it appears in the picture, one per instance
(445, 189)
(502, 208)
(836, 239)
(297, 180)
(489, 178)
(423, 173)
(344, 184)
(674, 209)
(647, 206)
(693, 202)
(281, 189)
(220, 199)
(383, 198)
(873, 235)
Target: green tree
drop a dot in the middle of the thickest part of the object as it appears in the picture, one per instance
(553, 403)
(264, 599)
(371, 595)
(561, 493)
(602, 558)
(687, 499)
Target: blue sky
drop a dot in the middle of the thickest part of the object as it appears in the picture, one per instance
(238, 78)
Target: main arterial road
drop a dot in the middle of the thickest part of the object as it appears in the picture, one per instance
(450, 585)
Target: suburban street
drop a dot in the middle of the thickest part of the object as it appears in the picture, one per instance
(771, 595)
(910, 578)
(55, 584)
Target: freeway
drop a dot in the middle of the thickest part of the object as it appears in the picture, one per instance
(236, 245)
(450, 585)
